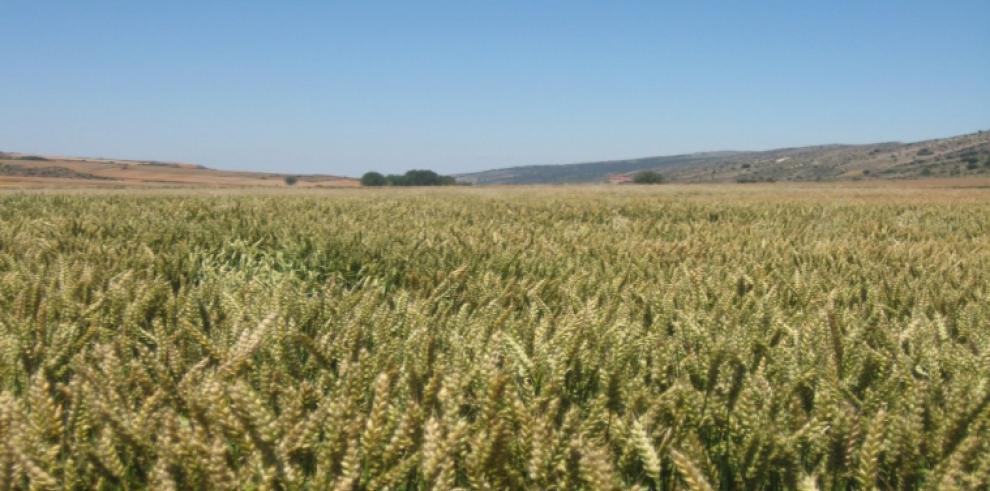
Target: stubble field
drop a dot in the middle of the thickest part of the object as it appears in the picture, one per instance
(676, 337)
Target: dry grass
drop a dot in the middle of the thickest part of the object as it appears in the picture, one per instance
(699, 337)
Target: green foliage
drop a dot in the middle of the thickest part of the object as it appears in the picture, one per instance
(373, 179)
(419, 178)
(291, 180)
(754, 179)
(648, 177)
(620, 338)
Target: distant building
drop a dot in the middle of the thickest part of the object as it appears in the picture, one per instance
(620, 179)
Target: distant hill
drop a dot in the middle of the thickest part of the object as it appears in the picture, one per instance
(23, 170)
(956, 156)
(959, 156)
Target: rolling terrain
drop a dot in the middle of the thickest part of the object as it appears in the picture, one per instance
(959, 156)
(20, 170)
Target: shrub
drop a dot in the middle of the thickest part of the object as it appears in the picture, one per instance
(291, 180)
(925, 151)
(754, 179)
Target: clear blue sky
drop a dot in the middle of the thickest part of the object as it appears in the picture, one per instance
(340, 88)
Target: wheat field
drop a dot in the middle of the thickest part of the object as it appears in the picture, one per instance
(541, 338)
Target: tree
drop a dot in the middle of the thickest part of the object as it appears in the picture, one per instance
(422, 178)
(291, 180)
(418, 177)
(648, 177)
(373, 179)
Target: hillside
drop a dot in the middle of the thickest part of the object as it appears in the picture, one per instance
(957, 156)
(20, 170)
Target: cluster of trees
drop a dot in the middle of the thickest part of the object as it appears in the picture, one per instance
(648, 177)
(410, 178)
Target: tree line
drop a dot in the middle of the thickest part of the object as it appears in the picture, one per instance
(416, 177)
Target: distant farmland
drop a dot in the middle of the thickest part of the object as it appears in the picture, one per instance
(27, 171)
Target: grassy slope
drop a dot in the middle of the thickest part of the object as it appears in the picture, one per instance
(948, 157)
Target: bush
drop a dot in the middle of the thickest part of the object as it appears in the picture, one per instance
(746, 166)
(648, 177)
(372, 179)
(925, 151)
(291, 180)
(754, 180)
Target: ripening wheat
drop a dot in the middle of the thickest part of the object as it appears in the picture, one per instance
(503, 339)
